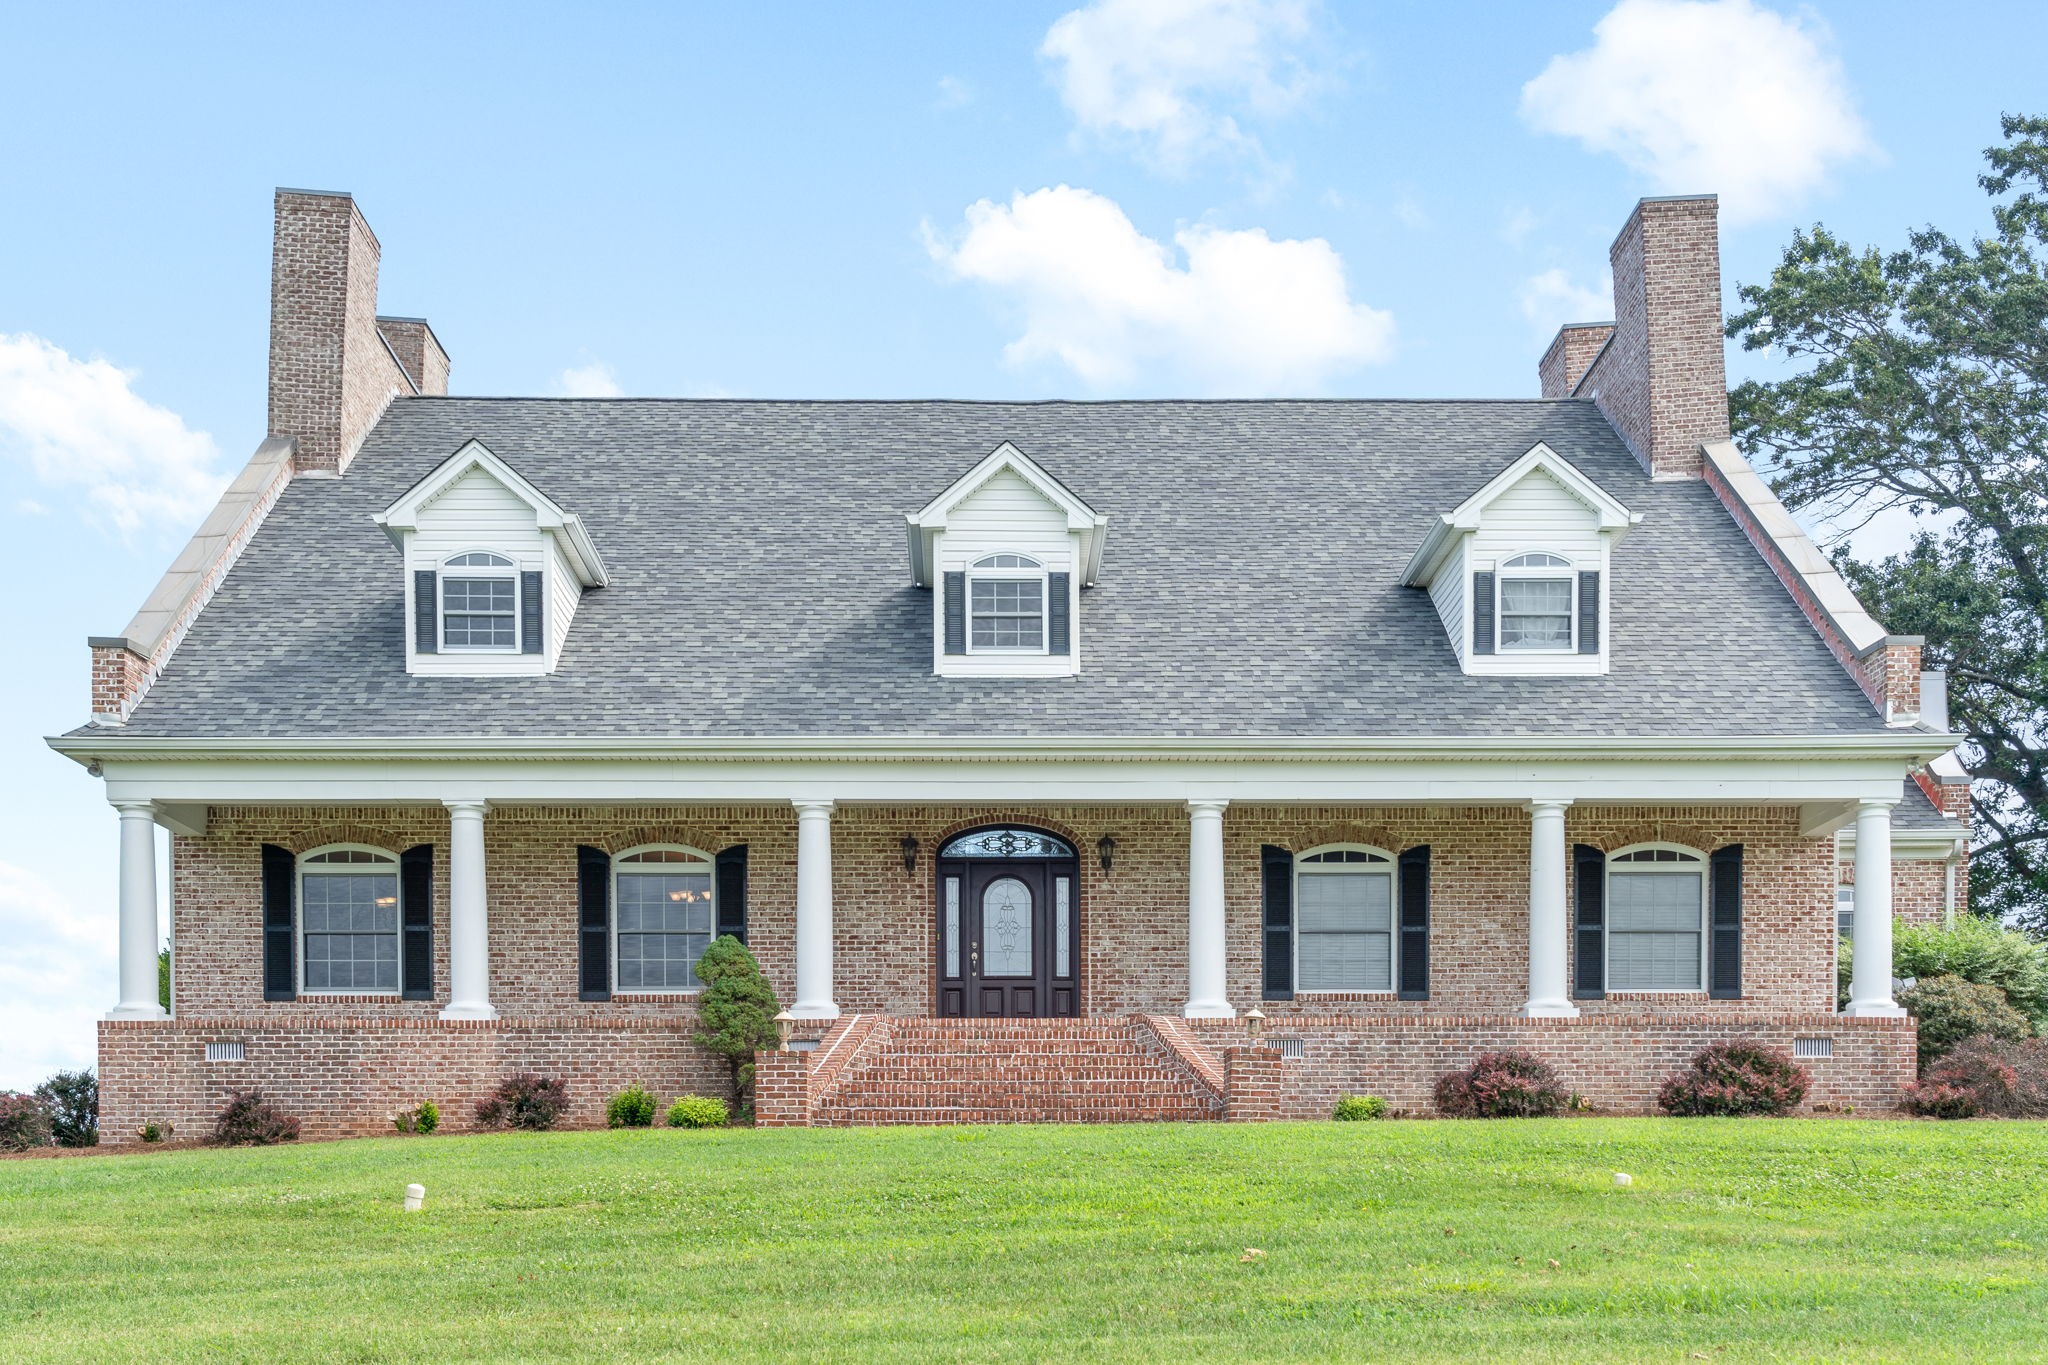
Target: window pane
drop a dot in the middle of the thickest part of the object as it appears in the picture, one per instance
(1008, 613)
(1535, 613)
(664, 927)
(1346, 932)
(350, 922)
(478, 612)
(1653, 939)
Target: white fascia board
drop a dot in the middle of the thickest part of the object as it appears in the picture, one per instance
(567, 528)
(1613, 517)
(927, 522)
(1914, 846)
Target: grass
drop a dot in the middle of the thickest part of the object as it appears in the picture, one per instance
(1740, 1240)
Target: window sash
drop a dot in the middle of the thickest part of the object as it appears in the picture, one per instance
(1536, 612)
(480, 612)
(664, 922)
(1344, 929)
(1006, 613)
(348, 930)
(1656, 930)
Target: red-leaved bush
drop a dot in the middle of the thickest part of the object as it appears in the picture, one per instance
(524, 1101)
(1734, 1079)
(24, 1122)
(1985, 1075)
(249, 1120)
(1501, 1085)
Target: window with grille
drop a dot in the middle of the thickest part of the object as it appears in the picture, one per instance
(1344, 913)
(348, 920)
(1656, 920)
(665, 919)
(1536, 601)
(1006, 604)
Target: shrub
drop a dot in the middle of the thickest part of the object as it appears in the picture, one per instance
(423, 1118)
(524, 1101)
(737, 1010)
(24, 1122)
(153, 1131)
(249, 1120)
(1733, 1079)
(697, 1111)
(1358, 1108)
(1985, 1076)
(1980, 951)
(73, 1099)
(632, 1107)
(1950, 1009)
(1501, 1085)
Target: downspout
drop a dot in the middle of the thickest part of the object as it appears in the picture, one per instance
(1948, 890)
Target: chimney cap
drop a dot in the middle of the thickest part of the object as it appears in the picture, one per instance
(318, 194)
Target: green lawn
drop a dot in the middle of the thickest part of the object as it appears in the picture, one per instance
(1740, 1240)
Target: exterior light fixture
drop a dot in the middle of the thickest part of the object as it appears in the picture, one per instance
(909, 846)
(1254, 1020)
(1105, 849)
(782, 1026)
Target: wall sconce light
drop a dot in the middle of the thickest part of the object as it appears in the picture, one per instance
(1254, 1020)
(1105, 849)
(783, 1021)
(909, 846)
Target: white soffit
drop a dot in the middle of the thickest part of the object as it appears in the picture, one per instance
(1612, 516)
(403, 515)
(927, 522)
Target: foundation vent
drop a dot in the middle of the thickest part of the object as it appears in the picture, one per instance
(1290, 1049)
(227, 1052)
(1813, 1047)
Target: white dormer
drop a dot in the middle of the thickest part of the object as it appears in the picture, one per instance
(1518, 571)
(494, 569)
(1007, 549)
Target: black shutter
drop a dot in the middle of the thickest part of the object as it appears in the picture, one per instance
(1724, 959)
(1590, 982)
(1414, 936)
(594, 923)
(1056, 605)
(1589, 612)
(416, 915)
(1277, 919)
(531, 641)
(280, 969)
(956, 613)
(732, 892)
(426, 609)
(1482, 613)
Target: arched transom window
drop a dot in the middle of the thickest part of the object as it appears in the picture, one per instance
(1656, 918)
(665, 919)
(1344, 935)
(348, 920)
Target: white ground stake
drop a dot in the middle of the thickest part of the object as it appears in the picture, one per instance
(1623, 1178)
(415, 1198)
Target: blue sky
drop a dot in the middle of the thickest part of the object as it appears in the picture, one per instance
(1124, 198)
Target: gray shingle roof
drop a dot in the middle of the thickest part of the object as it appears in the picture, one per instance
(1916, 814)
(1251, 585)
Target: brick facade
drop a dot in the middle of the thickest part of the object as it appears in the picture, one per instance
(1571, 352)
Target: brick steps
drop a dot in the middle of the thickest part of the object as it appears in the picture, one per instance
(933, 1071)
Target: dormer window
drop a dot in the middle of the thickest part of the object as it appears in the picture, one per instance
(1537, 599)
(480, 603)
(1006, 596)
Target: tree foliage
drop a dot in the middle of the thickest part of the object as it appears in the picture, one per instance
(737, 1011)
(1922, 384)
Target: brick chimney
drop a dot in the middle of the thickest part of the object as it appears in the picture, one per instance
(333, 366)
(1659, 376)
(1564, 364)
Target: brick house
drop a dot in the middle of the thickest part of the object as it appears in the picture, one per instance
(1082, 760)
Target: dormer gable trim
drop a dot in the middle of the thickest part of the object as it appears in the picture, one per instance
(925, 524)
(1443, 535)
(565, 527)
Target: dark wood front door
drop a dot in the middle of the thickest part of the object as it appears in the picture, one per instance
(1008, 937)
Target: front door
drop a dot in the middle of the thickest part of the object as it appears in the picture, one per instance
(1008, 926)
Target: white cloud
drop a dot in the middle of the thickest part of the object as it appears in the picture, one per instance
(1552, 299)
(78, 426)
(1237, 312)
(1172, 76)
(56, 978)
(953, 93)
(593, 379)
(1707, 96)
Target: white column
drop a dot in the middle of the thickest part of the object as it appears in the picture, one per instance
(1208, 996)
(1549, 992)
(1870, 982)
(814, 911)
(469, 932)
(138, 913)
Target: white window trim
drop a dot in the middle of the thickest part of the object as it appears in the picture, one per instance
(710, 866)
(1567, 573)
(300, 871)
(1699, 868)
(1387, 867)
(447, 569)
(1037, 573)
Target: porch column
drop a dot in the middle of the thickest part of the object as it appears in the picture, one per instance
(1870, 982)
(138, 913)
(469, 937)
(814, 911)
(1208, 996)
(1548, 991)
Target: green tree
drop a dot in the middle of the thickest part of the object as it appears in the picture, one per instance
(1922, 383)
(163, 978)
(737, 1010)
